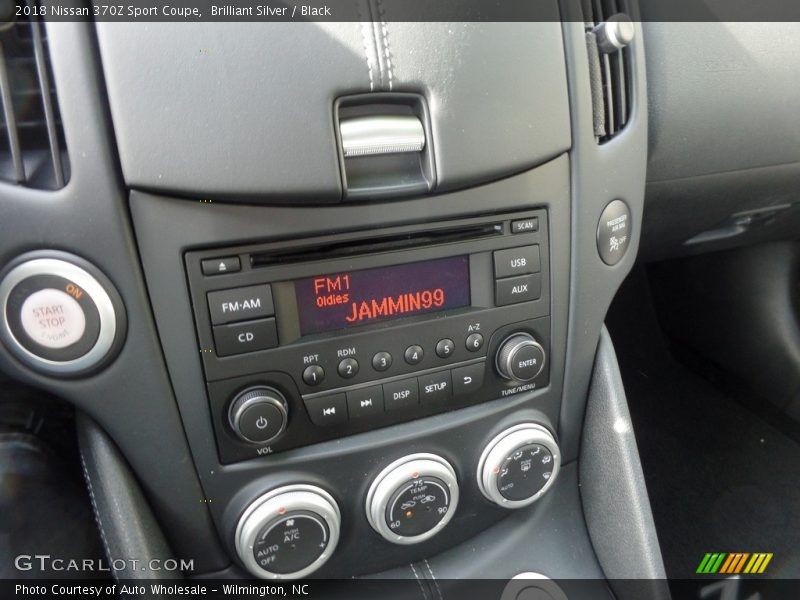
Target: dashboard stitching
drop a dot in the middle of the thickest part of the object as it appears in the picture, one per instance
(385, 39)
(363, 27)
(96, 512)
(436, 583)
(419, 581)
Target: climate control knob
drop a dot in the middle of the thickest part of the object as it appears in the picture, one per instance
(521, 358)
(258, 415)
(519, 465)
(289, 532)
(413, 498)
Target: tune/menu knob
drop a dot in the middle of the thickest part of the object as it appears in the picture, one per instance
(289, 532)
(413, 498)
(519, 465)
(521, 357)
(258, 415)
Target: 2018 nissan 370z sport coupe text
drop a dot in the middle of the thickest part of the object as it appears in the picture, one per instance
(452, 299)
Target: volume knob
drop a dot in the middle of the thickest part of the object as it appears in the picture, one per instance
(521, 358)
(258, 415)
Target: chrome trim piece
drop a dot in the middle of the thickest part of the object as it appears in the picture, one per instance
(275, 505)
(390, 134)
(392, 477)
(501, 447)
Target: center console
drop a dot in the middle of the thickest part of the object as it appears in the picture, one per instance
(325, 337)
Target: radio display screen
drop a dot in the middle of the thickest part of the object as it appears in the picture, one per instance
(351, 298)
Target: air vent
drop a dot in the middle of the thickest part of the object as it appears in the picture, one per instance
(32, 148)
(610, 67)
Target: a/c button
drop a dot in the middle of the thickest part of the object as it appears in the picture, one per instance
(245, 337)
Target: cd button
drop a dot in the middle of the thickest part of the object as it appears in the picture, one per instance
(381, 361)
(327, 410)
(435, 387)
(245, 337)
(366, 402)
(467, 379)
(348, 368)
(444, 348)
(401, 394)
(414, 354)
(314, 375)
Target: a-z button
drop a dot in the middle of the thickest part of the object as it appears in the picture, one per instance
(245, 337)
(517, 261)
(327, 410)
(240, 304)
(401, 394)
(518, 289)
(435, 387)
(468, 379)
(366, 402)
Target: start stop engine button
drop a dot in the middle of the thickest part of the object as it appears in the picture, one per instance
(53, 318)
(58, 313)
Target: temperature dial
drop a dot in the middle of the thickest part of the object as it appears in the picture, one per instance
(288, 533)
(413, 498)
(521, 358)
(518, 466)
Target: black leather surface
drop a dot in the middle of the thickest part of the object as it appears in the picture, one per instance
(613, 490)
(127, 526)
(227, 110)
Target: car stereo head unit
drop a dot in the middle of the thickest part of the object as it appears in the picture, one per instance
(313, 339)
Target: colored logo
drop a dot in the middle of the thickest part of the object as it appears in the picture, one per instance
(734, 563)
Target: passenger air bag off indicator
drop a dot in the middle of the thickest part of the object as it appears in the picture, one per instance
(614, 232)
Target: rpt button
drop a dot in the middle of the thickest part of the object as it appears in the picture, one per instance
(240, 304)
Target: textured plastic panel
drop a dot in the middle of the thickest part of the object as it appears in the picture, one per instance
(239, 110)
(723, 96)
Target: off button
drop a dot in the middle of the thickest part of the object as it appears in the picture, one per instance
(53, 319)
